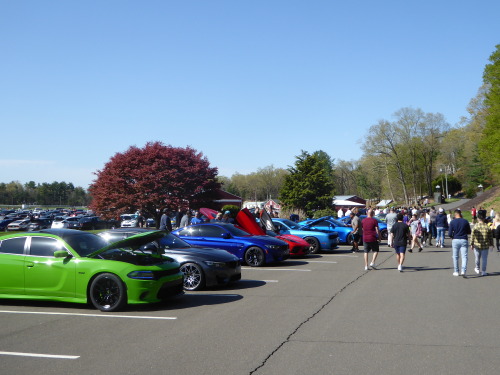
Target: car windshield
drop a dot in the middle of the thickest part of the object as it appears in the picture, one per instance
(84, 244)
(290, 224)
(172, 242)
(339, 223)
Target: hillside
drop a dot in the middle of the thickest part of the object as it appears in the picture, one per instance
(490, 198)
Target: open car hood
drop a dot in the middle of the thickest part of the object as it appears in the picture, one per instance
(133, 242)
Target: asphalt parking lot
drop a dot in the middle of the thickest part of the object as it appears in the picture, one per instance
(321, 314)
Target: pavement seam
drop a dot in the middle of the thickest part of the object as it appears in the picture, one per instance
(288, 339)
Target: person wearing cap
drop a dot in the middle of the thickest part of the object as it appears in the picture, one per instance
(459, 232)
(441, 226)
(481, 240)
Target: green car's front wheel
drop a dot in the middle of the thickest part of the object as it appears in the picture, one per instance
(107, 292)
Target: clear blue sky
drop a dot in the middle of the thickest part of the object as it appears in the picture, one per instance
(248, 83)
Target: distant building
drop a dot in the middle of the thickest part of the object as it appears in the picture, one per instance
(347, 201)
(223, 198)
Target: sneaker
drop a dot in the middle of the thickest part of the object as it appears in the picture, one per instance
(410, 250)
(420, 250)
(366, 268)
(372, 265)
(455, 273)
(476, 270)
(400, 268)
(442, 246)
(484, 274)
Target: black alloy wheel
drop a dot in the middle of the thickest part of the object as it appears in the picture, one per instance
(315, 246)
(107, 292)
(254, 257)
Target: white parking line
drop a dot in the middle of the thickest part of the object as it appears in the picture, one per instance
(339, 255)
(270, 281)
(273, 269)
(319, 261)
(19, 354)
(89, 315)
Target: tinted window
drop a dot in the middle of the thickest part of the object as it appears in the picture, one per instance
(13, 245)
(189, 231)
(44, 247)
(86, 244)
(210, 231)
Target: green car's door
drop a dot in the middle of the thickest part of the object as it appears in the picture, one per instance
(12, 265)
(46, 275)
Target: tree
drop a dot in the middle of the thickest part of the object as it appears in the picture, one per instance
(489, 146)
(151, 179)
(308, 187)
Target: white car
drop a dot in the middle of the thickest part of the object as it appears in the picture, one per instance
(63, 221)
(129, 220)
(19, 225)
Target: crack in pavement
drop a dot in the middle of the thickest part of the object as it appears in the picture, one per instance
(288, 339)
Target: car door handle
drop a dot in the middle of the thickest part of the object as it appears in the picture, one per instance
(30, 264)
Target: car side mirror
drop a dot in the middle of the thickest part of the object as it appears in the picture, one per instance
(61, 254)
(226, 236)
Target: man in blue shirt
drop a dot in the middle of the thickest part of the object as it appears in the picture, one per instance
(458, 231)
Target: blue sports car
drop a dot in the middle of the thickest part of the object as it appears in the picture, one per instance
(381, 225)
(318, 239)
(253, 250)
(329, 223)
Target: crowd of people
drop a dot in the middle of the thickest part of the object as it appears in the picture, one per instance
(415, 228)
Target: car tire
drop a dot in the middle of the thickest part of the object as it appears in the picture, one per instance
(194, 278)
(315, 246)
(384, 234)
(254, 257)
(107, 292)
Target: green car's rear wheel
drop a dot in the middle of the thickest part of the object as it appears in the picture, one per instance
(107, 292)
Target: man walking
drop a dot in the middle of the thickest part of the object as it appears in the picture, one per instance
(481, 240)
(458, 231)
(400, 232)
(371, 238)
(356, 231)
(390, 220)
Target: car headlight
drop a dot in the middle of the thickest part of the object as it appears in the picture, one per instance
(215, 264)
(141, 275)
(273, 247)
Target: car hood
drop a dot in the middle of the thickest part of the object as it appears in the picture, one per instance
(207, 253)
(134, 242)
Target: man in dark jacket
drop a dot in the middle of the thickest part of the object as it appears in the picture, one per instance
(458, 232)
(441, 226)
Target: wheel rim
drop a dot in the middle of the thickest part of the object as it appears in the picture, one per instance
(254, 257)
(106, 293)
(314, 245)
(192, 276)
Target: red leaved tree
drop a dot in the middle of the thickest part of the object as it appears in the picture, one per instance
(151, 179)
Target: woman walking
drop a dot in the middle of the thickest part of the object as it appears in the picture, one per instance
(416, 232)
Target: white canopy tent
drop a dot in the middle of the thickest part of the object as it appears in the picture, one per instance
(341, 202)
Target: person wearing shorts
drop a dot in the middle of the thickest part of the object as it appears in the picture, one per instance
(371, 238)
(400, 233)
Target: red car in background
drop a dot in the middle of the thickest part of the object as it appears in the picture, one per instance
(298, 246)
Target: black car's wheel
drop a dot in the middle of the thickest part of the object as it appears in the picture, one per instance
(315, 246)
(350, 239)
(107, 292)
(194, 279)
(384, 234)
(254, 257)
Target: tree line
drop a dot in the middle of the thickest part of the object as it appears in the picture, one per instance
(43, 194)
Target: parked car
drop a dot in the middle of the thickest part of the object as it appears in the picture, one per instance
(318, 239)
(202, 267)
(66, 222)
(255, 251)
(91, 223)
(4, 223)
(329, 223)
(381, 225)
(129, 220)
(38, 224)
(74, 266)
(19, 225)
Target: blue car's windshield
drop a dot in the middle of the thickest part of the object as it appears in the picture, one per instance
(290, 224)
(173, 242)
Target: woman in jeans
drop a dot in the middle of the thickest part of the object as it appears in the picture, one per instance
(442, 226)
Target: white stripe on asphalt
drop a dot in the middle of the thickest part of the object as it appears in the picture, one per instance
(339, 255)
(319, 261)
(89, 315)
(270, 281)
(272, 269)
(41, 355)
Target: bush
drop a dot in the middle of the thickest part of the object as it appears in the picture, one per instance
(325, 212)
(470, 192)
(231, 208)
